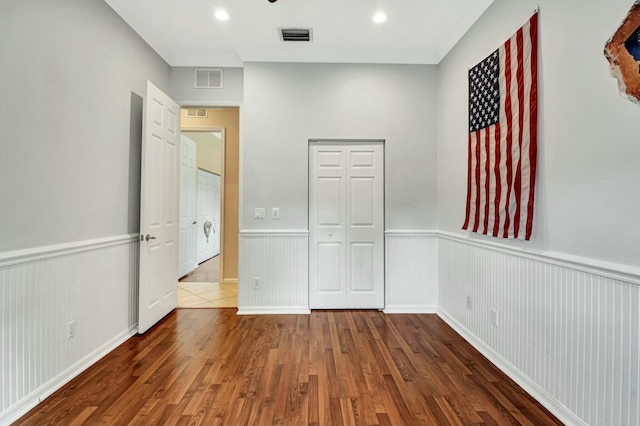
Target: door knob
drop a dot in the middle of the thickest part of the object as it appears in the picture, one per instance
(149, 237)
(331, 234)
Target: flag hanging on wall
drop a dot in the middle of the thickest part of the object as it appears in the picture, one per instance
(503, 120)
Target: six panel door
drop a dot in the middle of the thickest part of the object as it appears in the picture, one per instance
(159, 208)
(346, 226)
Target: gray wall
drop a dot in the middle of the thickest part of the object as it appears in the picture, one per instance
(72, 79)
(182, 81)
(286, 104)
(587, 199)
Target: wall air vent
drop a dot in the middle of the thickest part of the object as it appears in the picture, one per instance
(208, 78)
(197, 113)
(295, 34)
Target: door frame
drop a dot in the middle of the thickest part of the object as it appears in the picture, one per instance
(216, 105)
(223, 156)
(355, 142)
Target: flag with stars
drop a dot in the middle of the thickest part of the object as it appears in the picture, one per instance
(502, 143)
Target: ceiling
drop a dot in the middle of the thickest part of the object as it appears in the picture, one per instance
(186, 33)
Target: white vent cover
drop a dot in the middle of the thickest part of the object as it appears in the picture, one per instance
(208, 78)
(197, 113)
(295, 34)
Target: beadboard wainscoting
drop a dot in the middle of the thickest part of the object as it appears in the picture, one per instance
(94, 283)
(411, 272)
(273, 272)
(566, 330)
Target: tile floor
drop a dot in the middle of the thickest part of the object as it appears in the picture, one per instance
(200, 288)
(207, 295)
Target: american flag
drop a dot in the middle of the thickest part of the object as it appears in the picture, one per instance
(503, 122)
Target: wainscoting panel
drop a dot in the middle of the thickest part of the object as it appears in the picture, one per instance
(279, 260)
(94, 283)
(411, 272)
(568, 334)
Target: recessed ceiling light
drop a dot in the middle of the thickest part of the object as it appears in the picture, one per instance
(221, 15)
(379, 17)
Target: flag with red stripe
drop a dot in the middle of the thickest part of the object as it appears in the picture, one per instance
(502, 150)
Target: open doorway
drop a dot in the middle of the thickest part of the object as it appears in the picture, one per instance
(209, 208)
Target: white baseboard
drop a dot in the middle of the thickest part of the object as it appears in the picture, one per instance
(560, 411)
(30, 401)
(410, 309)
(274, 310)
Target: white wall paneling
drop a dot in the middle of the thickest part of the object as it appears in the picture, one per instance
(94, 283)
(279, 259)
(567, 332)
(411, 272)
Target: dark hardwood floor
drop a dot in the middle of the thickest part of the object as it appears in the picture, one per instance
(206, 272)
(212, 367)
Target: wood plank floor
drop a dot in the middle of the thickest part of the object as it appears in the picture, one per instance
(208, 271)
(212, 367)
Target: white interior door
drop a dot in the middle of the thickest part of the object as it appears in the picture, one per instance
(346, 226)
(188, 214)
(158, 208)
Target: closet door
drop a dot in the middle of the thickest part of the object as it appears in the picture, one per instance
(327, 227)
(365, 226)
(346, 225)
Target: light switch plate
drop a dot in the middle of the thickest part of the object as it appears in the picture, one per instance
(259, 213)
(275, 213)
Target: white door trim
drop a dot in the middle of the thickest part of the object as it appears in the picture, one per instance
(223, 161)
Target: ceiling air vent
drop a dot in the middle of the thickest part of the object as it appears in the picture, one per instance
(295, 34)
(197, 113)
(208, 78)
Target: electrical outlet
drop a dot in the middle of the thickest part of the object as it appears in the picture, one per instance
(469, 302)
(256, 283)
(494, 317)
(71, 329)
(275, 213)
